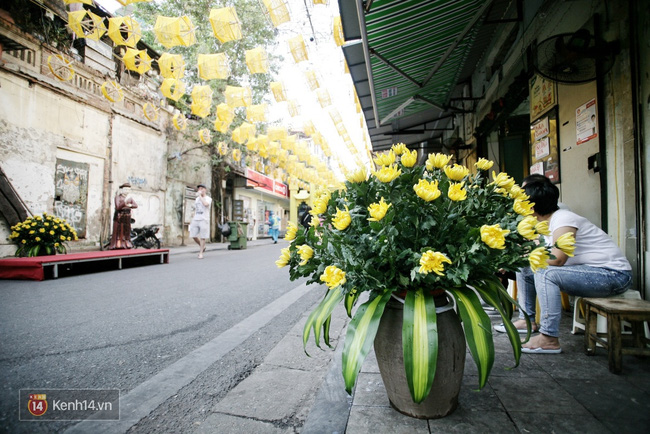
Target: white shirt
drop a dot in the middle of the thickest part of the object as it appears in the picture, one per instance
(593, 246)
(202, 212)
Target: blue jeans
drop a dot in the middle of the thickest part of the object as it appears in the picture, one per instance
(579, 280)
(274, 233)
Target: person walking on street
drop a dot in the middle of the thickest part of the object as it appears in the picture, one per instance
(274, 230)
(200, 225)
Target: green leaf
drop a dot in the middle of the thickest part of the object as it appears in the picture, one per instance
(320, 315)
(326, 331)
(350, 300)
(420, 343)
(360, 336)
(478, 331)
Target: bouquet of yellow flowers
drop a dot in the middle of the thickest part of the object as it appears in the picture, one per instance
(42, 235)
(407, 231)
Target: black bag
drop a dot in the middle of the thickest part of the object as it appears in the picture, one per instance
(225, 229)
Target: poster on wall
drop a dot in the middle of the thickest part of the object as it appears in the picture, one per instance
(71, 194)
(544, 151)
(586, 122)
(542, 96)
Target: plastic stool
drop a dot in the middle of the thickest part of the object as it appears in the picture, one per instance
(579, 319)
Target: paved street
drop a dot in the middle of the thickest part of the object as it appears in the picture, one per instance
(214, 320)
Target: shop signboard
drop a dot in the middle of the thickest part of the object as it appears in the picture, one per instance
(542, 96)
(544, 155)
(262, 182)
(586, 122)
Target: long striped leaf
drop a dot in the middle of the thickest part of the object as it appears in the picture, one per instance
(478, 331)
(320, 315)
(420, 343)
(350, 300)
(360, 336)
(491, 295)
(326, 331)
(506, 299)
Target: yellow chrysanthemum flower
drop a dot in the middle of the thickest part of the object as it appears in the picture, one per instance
(357, 176)
(51, 232)
(526, 228)
(292, 229)
(62, 238)
(306, 253)
(538, 259)
(494, 236)
(483, 164)
(427, 190)
(41, 230)
(387, 173)
(523, 207)
(503, 180)
(566, 243)
(385, 159)
(46, 224)
(333, 277)
(37, 239)
(285, 255)
(437, 161)
(315, 222)
(24, 241)
(457, 192)
(542, 228)
(399, 148)
(378, 210)
(433, 262)
(320, 204)
(456, 172)
(517, 192)
(409, 158)
(342, 219)
(56, 244)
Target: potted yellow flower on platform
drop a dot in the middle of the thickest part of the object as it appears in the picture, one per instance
(409, 236)
(42, 235)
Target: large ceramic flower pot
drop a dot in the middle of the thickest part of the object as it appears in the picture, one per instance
(443, 398)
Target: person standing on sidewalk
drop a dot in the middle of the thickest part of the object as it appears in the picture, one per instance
(200, 225)
(274, 223)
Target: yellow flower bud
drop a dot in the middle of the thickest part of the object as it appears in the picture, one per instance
(566, 243)
(385, 159)
(387, 173)
(399, 148)
(494, 236)
(409, 158)
(333, 276)
(538, 259)
(456, 172)
(285, 256)
(342, 219)
(457, 192)
(483, 164)
(437, 161)
(433, 262)
(378, 210)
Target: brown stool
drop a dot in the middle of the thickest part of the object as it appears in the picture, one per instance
(616, 310)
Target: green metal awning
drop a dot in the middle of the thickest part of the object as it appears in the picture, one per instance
(407, 58)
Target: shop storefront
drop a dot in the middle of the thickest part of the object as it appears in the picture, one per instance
(261, 196)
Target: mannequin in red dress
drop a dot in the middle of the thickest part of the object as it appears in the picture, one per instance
(121, 237)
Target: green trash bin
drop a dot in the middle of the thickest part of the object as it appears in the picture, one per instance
(237, 237)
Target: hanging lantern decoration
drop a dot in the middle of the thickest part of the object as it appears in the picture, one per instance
(312, 79)
(86, 2)
(171, 65)
(278, 91)
(335, 115)
(321, 2)
(124, 31)
(150, 111)
(262, 141)
(247, 131)
(251, 145)
(259, 166)
(112, 91)
(257, 61)
(172, 88)
(201, 100)
(137, 60)
(221, 126)
(174, 31)
(298, 49)
(277, 133)
(263, 150)
(238, 96)
(236, 155)
(339, 38)
(256, 113)
(86, 24)
(225, 24)
(222, 148)
(60, 67)
(323, 97)
(308, 128)
(213, 66)
(237, 136)
(204, 136)
(180, 121)
(225, 113)
(294, 108)
(277, 11)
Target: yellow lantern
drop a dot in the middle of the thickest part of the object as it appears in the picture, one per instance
(204, 136)
(225, 113)
(238, 96)
(180, 121)
(334, 115)
(124, 31)
(277, 133)
(277, 11)
(137, 60)
(251, 145)
(213, 66)
(201, 100)
(263, 140)
(222, 148)
(225, 24)
(171, 65)
(86, 2)
(263, 150)
(308, 128)
(112, 91)
(298, 49)
(321, 2)
(256, 113)
(236, 155)
(278, 91)
(60, 67)
(323, 97)
(221, 126)
(259, 166)
(339, 38)
(257, 61)
(312, 79)
(150, 111)
(174, 31)
(172, 88)
(237, 136)
(294, 108)
(86, 24)
(247, 130)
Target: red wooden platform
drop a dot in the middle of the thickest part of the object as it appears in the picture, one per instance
(34, 268)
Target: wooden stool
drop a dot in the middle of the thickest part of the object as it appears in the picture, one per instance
(616, 310)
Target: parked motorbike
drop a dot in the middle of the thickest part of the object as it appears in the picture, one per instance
(145, 237)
